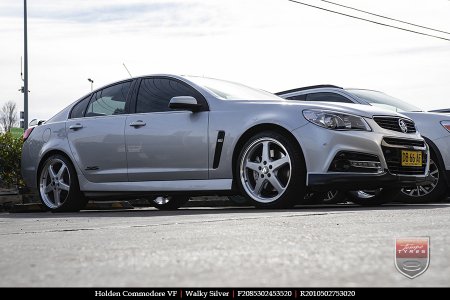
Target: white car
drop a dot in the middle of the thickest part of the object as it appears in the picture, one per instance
(434, 128)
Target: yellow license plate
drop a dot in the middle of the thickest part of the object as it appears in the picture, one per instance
(411, 158)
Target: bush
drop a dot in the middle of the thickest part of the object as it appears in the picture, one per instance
(10, 156)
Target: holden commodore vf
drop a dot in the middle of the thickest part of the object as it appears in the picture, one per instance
(433, 126)
(168, 137)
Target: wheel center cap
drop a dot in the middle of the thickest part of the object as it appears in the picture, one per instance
(265, 170)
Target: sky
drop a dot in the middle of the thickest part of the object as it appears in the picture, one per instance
(269, 44)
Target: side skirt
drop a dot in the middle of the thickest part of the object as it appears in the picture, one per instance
(155, 186)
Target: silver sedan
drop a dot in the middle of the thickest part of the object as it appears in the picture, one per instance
(433, 126)
(169, 137)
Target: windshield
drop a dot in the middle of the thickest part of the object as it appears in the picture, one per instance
(385, 101)
(227, 90)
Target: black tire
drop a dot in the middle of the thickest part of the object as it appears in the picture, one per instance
(168, 202)
(238, 200)
(374, 197)
(279, 147)
(435, 193)
(74, 200)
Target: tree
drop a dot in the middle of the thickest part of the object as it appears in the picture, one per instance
(10, 156)
(8, 115)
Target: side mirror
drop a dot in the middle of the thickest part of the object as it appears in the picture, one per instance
(33, 122)
(184, 103)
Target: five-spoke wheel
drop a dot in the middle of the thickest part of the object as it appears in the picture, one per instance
(271, 171)
(58, 185)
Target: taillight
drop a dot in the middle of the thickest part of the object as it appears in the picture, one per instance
(27, 133)
(446, 125)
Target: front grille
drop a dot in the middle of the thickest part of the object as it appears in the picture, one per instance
(393, 156)
(392, 123)
(404, 142)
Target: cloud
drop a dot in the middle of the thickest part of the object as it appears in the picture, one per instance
(417, 50)
(110, 13)
(270, 44)
(161, 13)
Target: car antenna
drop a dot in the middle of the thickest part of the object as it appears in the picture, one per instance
(127, 70)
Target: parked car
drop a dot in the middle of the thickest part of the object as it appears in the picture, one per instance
(169, 137)
(444, 111)
(434, 127)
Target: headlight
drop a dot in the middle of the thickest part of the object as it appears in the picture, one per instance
(446, 125)
(335, 120)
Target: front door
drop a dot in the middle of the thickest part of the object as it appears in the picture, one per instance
(164, 144)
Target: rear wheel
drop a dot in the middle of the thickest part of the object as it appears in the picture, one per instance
(435, 191)
(168, 202)
(58, 187)
(270, 171)
(373, 197)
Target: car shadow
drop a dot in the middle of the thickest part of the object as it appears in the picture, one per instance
(248, 210)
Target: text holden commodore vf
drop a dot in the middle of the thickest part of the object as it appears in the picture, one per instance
(168, 137)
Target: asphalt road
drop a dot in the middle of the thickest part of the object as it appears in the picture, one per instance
(341, 245)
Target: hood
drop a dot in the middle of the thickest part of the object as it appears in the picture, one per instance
(427, 117)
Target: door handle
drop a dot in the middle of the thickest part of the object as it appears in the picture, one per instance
(76, 126)
(138, 123)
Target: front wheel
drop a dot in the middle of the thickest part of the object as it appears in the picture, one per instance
(434, 191)
(168, 202)
(373, 197)
(270, 171)
(59, 190)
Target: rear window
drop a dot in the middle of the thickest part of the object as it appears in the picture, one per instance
(79, 108)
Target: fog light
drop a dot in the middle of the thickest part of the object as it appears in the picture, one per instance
(347, 161)
(366, 164)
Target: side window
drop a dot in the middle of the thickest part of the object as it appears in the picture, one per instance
(298, 97)
(79, 108)
(155, 94)
(328, 97)
(109, 101)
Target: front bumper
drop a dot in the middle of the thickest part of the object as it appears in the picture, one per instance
(321, 146)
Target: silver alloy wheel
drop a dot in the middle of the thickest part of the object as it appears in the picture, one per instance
(265, 170)
(423, 190)
(366, 194)
(54, 183)
(161, 200)
(330, 195)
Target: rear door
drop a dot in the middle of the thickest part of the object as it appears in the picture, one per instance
(96, 134)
